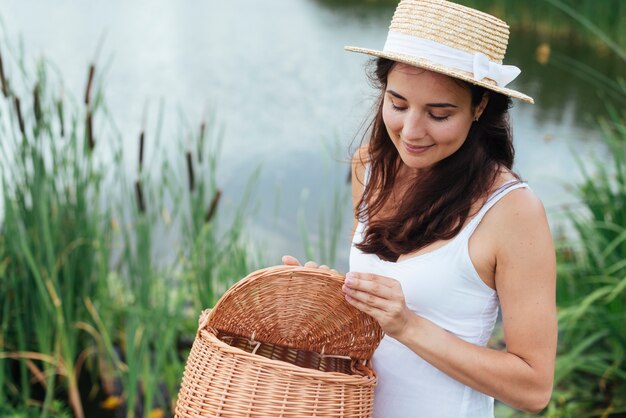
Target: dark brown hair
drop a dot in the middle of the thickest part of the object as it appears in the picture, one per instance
(438, 203)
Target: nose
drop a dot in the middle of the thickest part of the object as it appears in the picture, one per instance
(413, 127)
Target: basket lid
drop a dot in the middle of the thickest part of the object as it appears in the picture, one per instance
(296, 307)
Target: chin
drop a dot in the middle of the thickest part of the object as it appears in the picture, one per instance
(413, 165)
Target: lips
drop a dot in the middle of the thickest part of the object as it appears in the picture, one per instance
(416, 149)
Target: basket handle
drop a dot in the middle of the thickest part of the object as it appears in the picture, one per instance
(204, 319)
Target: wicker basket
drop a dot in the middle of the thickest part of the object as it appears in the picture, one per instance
(281, 343)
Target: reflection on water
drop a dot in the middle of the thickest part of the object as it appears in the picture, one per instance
(537, 16)
(552, 87)
(283, 87)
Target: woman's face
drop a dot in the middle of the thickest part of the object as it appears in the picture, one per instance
(427, 115)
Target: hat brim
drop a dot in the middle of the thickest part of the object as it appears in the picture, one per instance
(427, 65)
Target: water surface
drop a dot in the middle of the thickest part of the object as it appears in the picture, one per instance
(290, 99)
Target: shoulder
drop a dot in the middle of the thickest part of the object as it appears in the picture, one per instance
(520, 229)
(519, 205)
(360, 159)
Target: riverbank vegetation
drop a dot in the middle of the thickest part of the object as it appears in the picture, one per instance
(93, 308)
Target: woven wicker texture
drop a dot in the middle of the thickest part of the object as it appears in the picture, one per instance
(455, 26)
(281, 343)
(296, 307)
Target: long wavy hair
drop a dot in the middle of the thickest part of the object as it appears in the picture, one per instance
(438, 202)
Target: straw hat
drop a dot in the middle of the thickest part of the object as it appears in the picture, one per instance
(450, 39)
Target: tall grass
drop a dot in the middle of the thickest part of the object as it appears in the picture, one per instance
(55, 247)
(214, 252)
(85, 289)
(590, 376)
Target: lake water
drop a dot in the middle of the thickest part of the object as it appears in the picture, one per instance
(288, 96)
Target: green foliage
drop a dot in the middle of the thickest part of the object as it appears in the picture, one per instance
(84, 285)
(56, 410)
(55, 244)
(591, 367)
(213, 257)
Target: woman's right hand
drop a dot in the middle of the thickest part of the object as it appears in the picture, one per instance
(289, 260)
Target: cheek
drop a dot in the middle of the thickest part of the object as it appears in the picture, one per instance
(450, 133)
(392, 120)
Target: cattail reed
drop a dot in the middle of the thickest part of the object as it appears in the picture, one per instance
(201, 141)
(90, 140)
(3, 80)
(141, 140)
(139, 196)
(142, 135)
(192, 183)
(213, 207)
(37, 104)
(18, 111)
(92, 70)
(60, 114)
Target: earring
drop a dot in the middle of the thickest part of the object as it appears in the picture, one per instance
(475, 118)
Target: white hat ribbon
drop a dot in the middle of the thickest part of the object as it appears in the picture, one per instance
(476, 63)
(501, 74)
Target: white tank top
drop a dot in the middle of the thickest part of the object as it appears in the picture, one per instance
(442, 286)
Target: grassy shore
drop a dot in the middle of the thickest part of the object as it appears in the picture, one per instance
(83, 290)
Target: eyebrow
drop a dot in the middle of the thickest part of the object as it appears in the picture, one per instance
(394, 94)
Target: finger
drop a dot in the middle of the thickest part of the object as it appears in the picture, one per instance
(374, 288)
(368, 309)
(365, 298)
(290, 261)
(372, 278)
(324, 267)
(311, 264)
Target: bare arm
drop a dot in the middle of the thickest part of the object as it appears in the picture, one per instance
(526, 281)
(358, 174)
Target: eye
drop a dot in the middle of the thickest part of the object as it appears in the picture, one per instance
(438, 118)
(397, 108)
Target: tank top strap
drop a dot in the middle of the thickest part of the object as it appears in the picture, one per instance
(495, 197)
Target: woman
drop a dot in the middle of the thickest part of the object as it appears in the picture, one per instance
(445, 232)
